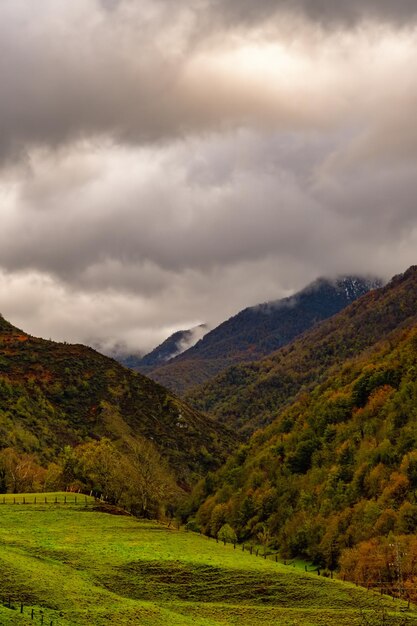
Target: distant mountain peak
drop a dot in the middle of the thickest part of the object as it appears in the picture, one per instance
(256, 332)
(351, 287)
(175, 344)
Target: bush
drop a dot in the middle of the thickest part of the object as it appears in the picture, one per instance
(193, 526)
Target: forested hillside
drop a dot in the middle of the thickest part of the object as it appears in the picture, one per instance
(258, 331)
(250, 396)
(336, 471)
(54, 395)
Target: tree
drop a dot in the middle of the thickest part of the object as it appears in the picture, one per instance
(264, 537)
(103, 468)
(151, 483)
(20, 472)
(227, 534)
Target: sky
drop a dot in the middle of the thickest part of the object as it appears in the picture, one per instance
(164, 164)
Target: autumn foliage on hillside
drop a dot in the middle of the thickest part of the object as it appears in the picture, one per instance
(250, 396)
(388, 564)
(55, 396)
(336, 468)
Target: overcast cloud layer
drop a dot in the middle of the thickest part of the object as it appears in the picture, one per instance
(165, 164)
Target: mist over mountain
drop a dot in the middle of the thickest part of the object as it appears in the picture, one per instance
(174, 345)
(257, 331)
(333, 471)
(249, 396)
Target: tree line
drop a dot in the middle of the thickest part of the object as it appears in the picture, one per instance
(135, 478)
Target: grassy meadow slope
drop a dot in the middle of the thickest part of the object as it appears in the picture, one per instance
(259, 330)
(83, 567)
(250, 396)
(55, 394)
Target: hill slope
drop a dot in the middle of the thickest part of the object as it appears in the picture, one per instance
(249, 396)
(337, 467)
(54, 394)
(117, 570)
(258, 331)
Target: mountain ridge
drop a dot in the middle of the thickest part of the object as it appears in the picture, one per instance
(336, 467)
(257, 331)
(247, 396)
(55, 394)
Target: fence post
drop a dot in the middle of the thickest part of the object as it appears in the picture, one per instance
(32, 613)
(21, 608)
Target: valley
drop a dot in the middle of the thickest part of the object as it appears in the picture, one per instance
(208, 313)
(307, 455)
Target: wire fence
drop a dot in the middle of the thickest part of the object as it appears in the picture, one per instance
(78, 499)
(38, 616)
(380, 588)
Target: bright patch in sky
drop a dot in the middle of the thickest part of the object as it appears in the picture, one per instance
(166, 164)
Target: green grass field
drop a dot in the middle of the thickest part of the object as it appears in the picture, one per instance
(84, 567)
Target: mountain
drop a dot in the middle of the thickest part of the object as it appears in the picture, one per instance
(56, 394)
(249, 396)
(336, 470)
(168, 349)
(259, 330)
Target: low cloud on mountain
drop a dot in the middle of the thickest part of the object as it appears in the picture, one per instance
(163, 165)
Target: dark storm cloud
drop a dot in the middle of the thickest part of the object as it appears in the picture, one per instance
(150, 72)
(278, 197)
(327, 12)
(166, 164)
